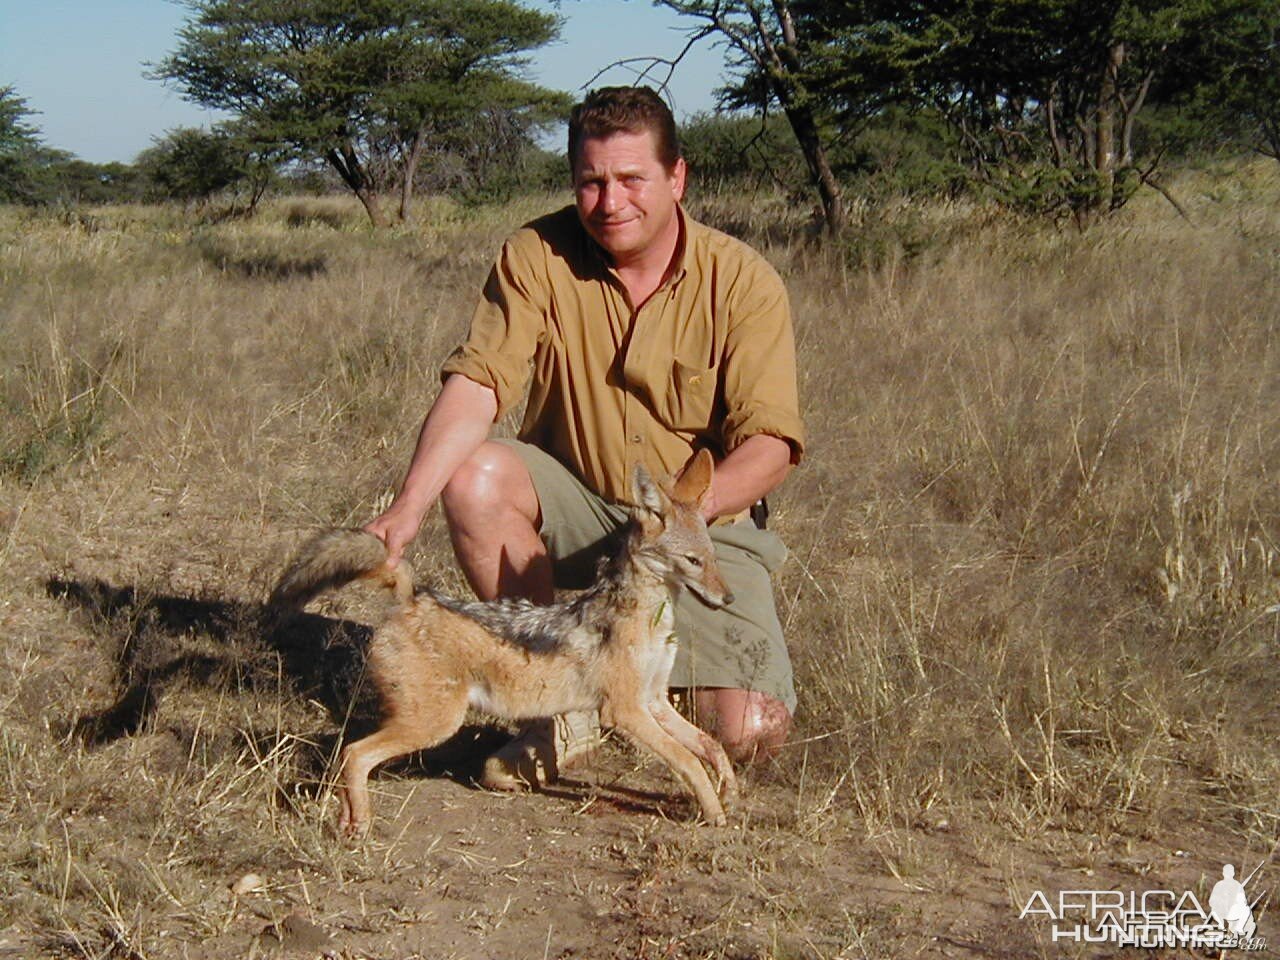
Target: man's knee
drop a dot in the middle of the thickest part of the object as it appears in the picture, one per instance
(492, 481)
(749, 724)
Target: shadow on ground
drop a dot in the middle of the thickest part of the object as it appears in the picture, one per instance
(232, 647)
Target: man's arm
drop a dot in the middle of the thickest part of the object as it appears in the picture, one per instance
(762, 429)
(455, 427)
(751, 471)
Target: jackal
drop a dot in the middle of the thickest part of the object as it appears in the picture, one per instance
(609, 648)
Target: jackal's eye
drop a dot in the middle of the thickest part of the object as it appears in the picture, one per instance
(695, 561)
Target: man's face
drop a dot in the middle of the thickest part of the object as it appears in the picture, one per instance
(626, 197)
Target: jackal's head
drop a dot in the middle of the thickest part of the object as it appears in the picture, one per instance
(671, 538)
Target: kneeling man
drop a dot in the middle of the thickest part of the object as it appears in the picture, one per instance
(645, 336)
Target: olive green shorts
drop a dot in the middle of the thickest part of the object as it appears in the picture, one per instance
(738, 646)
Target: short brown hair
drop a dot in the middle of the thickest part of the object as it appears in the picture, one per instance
(611, 110)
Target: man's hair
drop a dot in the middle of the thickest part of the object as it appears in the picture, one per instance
(611, 110)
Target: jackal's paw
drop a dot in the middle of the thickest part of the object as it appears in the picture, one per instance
(351, 827)
(353, 830)
(727, 789)
(499, 775)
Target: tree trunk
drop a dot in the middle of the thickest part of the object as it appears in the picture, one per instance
(815, 156)
(371, 207)
(1105, 123)
(348, 166)
(785, 60)
(782, 69)
(410, 171)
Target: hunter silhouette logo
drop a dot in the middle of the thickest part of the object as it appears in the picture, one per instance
(1155, 918)
(1230, 906)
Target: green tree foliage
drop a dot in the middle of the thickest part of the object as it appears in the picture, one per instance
(76, 181)
(363, 85)
(1044, 95)
(1042, 99)
(15, 133)
(25, 161)
(191, 164)
(895, 152)
(732, 150)
(194, 165)
(488, 155)
(1237, 68)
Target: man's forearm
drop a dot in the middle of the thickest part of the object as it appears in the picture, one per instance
(751, 471)
(454, 428)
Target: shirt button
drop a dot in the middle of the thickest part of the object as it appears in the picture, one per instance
(635, 438)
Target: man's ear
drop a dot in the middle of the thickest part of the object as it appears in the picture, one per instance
(695, 481)
(646, 493)
(679, 175)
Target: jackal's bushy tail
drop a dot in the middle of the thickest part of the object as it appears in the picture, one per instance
(334, 558)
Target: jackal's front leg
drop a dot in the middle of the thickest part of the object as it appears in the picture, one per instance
(638, 724)
(701, 743)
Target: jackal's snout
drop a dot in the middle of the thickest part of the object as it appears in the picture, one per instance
(710, 586)
(722, 599)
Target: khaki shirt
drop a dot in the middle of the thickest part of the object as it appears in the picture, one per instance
(709, 360)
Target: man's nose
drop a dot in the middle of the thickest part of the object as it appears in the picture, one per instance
(611, 196)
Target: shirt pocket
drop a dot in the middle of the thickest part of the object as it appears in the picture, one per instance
(690, 397)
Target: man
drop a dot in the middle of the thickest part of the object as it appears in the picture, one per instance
(649, 336)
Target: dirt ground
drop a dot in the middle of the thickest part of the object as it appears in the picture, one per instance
(606, 864)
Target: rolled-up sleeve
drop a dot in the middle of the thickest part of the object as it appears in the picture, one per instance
(506, 326)
(760, 363)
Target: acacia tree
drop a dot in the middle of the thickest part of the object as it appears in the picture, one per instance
(190, 164)
(780, 65)
(358, 83)
(24, 159)
(1238, 71)
(1045, 95)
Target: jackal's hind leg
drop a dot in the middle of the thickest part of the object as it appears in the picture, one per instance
(400, 735)
(701, 743)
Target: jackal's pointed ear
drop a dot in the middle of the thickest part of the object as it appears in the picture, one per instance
(695, 481)
(646, 492)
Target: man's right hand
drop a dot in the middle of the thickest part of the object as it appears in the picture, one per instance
(396, 527)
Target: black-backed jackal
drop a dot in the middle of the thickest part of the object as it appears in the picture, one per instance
(609, 648)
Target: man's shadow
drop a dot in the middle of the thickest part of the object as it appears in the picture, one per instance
(232, 647)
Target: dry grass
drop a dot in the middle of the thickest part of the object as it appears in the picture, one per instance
(1033, 595)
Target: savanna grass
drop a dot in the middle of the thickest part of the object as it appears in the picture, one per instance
(1034, 546)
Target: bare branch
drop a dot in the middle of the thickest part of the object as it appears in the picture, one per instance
(1164, 192)
(1148, 178)
(775, 62)
(653, 64)
(1054, 139)
(1130, 110)
(787, 22)
(754, 143)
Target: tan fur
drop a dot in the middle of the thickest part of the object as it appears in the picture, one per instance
(336, 557)
(609, 649)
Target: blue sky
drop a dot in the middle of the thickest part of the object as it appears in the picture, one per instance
(80, 64)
